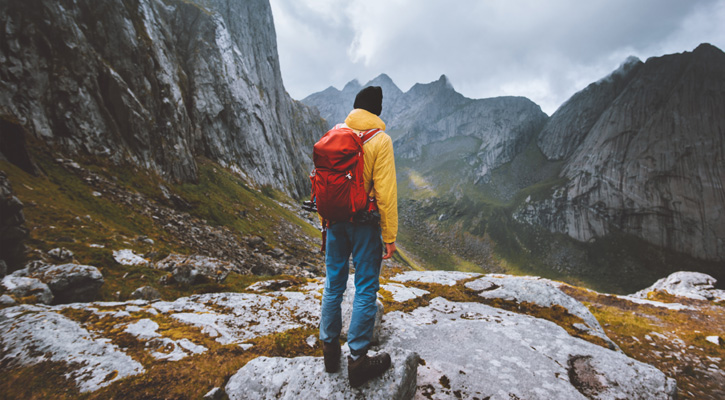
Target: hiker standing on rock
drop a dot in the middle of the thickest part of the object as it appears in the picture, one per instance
(356, 231)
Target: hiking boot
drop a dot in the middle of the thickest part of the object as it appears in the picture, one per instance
(365, 368)
(332, 352)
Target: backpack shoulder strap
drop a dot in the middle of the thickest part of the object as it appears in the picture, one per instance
(369, 134)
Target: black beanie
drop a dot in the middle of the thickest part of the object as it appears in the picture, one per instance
(370, 99)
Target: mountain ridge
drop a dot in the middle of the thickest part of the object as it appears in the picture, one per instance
(573, 173)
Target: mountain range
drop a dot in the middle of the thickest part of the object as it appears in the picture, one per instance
(636, 155)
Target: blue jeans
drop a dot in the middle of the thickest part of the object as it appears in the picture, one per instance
(366, 246)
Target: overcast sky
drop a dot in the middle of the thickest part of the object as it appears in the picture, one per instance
(543, 50)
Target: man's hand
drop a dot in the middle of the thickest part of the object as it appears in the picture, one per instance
(389, 250)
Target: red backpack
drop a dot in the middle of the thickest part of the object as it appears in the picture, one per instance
(338, 188)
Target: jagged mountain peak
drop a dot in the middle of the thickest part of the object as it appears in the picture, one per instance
(442, 84)
(707, 48)
(447, 82)
(390, 89)
(623, 70)
(352, 86)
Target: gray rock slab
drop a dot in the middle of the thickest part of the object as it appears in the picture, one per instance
(537, 291)
(693, 285)
(22, 286)
(244, 315)
(448, 278)
(32, 334)
(6, 300)
(473, 350)
(305, 378)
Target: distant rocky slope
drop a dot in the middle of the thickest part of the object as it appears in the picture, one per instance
(450, 334)
(630, 170)
(433, 117)
(157, 83)
(644, 155)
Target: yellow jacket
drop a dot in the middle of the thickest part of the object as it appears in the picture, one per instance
(379, 172)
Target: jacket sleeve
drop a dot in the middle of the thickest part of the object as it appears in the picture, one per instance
(386, 190)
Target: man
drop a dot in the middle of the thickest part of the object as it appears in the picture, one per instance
(362, 241)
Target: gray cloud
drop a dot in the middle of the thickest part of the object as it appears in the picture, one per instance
(545, 51)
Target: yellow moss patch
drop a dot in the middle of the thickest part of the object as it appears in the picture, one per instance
(45, 380)
(671, 340)
(290, 343)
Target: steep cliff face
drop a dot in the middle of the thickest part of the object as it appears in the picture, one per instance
(652, 164)
(573, 121)
(158, 83)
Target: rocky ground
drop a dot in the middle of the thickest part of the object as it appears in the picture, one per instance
(451, 334)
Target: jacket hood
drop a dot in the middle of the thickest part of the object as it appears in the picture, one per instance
(363, 120)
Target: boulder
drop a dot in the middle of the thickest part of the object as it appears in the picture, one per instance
(3, 268)
(70, 283)
(128, 257)
(146, 293)
(21, 286)
(305, 378)
(31, 334)
(347, 303)
(191, 269)
(693, 285)
(6, 300)
(61, 254)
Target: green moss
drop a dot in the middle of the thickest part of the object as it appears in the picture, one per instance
(61, 210)
(222, 198)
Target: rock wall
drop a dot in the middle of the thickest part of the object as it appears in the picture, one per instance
(653, 163)
(157, 82)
